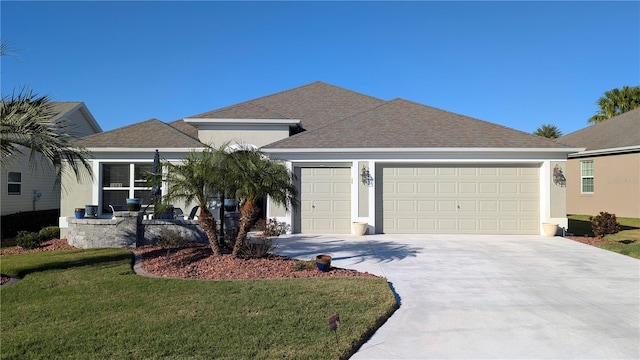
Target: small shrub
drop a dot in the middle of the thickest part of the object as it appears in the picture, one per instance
(49, 232)
(258, 247)
(28, 240)
(271, 227)
(169, 239)
(603, 224)
(304, 265)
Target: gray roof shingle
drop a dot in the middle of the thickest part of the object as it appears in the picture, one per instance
(620, 131)
(404, 124)
(316, 105)
(152, 133)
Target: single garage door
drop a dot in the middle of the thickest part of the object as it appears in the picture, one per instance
(458, 199)
(325, 200)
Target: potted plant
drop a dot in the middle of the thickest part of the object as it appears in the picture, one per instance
(323, 262)
(134, 204)
(550, 229)
(359, 228)
(79, 213)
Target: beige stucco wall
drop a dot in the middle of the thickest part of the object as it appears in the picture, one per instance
(616, 186)
(74, 194)
(258, 137)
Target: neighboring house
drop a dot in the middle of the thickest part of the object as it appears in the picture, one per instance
(399, 166)
(28, 186)
(606, 175)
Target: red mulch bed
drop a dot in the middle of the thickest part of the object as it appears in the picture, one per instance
(195, 261)
(595, 241)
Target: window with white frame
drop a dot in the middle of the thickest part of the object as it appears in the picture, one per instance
(14, 183)
(122, 181)
(586, 176)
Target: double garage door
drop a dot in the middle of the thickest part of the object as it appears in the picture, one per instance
(415, 199)
(457, 199)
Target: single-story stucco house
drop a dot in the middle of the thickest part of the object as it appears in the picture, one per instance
(606, 175)
(30, 185)
(399, 166)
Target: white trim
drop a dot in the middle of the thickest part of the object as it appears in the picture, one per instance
(206, 121)
(609, 151)
(143, 150)
(456, 150)
(583, 177)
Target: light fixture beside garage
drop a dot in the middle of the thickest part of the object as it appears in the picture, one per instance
(366, 177)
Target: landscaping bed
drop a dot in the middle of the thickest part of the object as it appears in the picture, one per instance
(194, 261)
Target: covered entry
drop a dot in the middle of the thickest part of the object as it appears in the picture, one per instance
(454, 199)
(325, 200)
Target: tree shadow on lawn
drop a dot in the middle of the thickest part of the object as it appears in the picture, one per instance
(100, 260)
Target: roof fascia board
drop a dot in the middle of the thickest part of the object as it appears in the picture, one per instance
(92, 121)
(455, 151)
(611, 151)
(203, 121)
(134, 151)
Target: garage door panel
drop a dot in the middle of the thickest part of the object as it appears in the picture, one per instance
(322, 188)
(488, 188)
(508, 206)
(488, 206)
(426, 205)
(406, 188)
(488, 225)
(529, 207)
(462, 199)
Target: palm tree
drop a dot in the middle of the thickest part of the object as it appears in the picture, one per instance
(250, 176)
(549, 131)
(197, 179)
(616, 102)
(26, 124)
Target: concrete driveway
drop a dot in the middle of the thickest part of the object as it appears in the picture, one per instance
(493, 297)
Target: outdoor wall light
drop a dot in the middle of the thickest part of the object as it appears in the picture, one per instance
(365, 176)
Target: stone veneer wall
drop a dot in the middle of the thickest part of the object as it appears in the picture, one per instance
(127, 230)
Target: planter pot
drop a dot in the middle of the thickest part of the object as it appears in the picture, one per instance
(134, 204)
(549, 229)
(323, 262)
(91, 210)
(79, 213)
(359, 228)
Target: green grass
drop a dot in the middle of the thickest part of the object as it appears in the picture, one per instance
(626, 242)
(88, 304)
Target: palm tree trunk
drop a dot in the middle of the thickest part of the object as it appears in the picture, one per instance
(208, 224)
(248, 216)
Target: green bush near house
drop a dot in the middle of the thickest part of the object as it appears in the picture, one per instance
(88, 304)
(626, 241)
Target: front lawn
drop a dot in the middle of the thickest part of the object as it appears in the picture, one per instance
(626, 242)
(88, 304)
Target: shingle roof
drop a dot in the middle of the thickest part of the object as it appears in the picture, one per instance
(61, 108)
(620, 131)
(185, 128)
(147, 134)
(316, 105)
(404, 124)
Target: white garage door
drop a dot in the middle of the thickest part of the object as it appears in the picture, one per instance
(325, 200)
(458, 199)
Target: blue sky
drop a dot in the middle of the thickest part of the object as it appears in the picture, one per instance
(518, 64)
